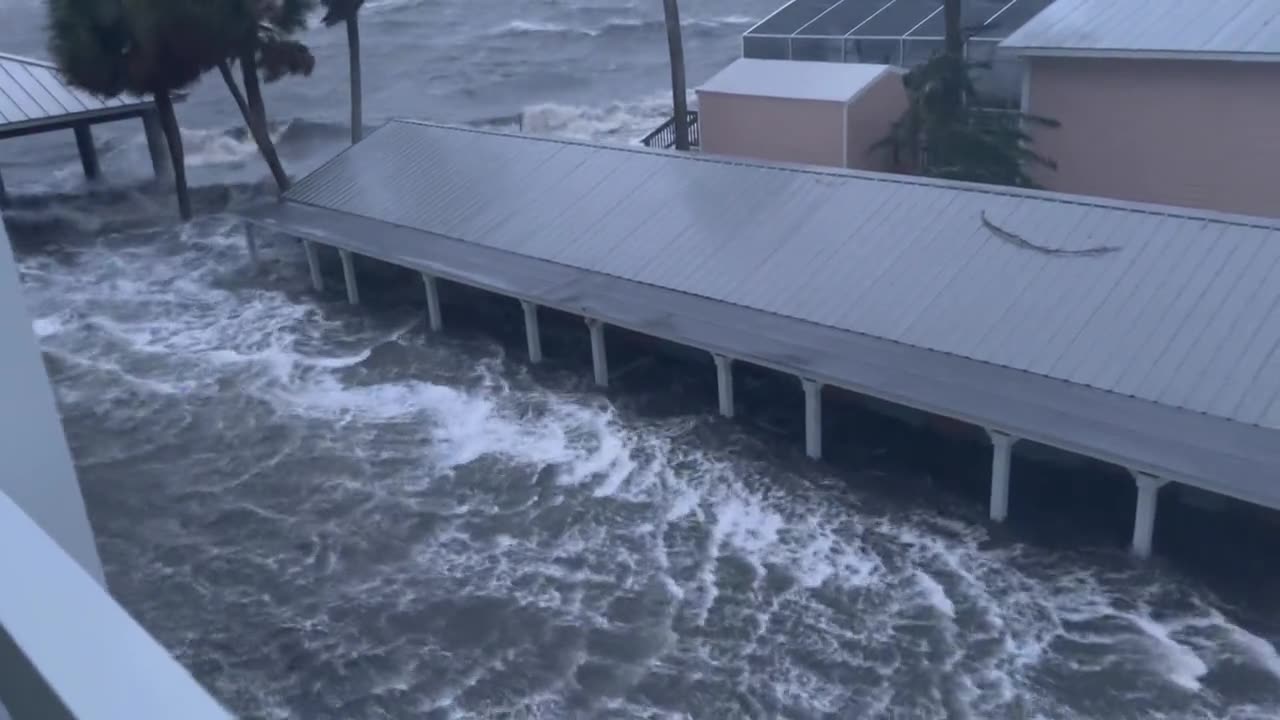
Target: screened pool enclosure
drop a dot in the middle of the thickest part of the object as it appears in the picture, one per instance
(893, 32)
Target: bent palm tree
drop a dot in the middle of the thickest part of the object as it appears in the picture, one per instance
(258, 38)
(348, 11)
(679, 93)
(103, 48)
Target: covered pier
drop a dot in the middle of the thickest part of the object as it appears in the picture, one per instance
(1143, 336)
(34, 98)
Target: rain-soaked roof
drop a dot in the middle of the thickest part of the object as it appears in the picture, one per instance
(1143, 335)
(33, 96)
(1213, 29)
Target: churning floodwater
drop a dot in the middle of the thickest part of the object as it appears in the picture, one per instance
(324, 512)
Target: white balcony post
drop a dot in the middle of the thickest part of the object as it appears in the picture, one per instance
(531, 334)
(812, 418)
(313, 265)
(349, 275)
(599, 358)
(1144, 519)
(724, 381)
(1001, 457)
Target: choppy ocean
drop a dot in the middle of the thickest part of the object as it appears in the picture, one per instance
(325, 513)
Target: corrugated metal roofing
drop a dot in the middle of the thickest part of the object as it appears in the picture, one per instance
(1179, 309)
(795, 79)
(1156, 347)
(33, 92)
(1240, 29)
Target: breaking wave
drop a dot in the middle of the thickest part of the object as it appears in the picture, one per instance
(614, 26)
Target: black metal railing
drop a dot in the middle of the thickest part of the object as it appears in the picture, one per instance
(664, 137)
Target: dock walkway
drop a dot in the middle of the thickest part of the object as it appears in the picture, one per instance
(35, 98)
(1140, 335)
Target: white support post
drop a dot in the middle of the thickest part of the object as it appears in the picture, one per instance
(251, 240)
(599, 359)
(724, 380)
(531, 335)
(313, 264)
(812, 418)
(1001, 457)
(435, 320)
(1144, 519)
(349, 275)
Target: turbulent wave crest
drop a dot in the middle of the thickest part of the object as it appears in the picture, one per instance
(615, 25)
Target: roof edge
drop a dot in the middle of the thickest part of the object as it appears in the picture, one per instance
(1127, 54)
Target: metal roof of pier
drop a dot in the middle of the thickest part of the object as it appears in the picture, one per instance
(34, 95)
(1143, 335)
(1220, 29)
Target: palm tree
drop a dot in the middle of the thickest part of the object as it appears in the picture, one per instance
(104, 49)
(258, 39)
(945, 131)
(348, 11)
(679, 97)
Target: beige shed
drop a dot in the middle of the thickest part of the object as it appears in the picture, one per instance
(815, 113)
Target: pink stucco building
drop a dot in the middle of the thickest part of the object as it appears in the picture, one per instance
(812, 113)
(1166, 102)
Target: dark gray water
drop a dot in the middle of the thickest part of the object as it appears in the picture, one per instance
(325, 513)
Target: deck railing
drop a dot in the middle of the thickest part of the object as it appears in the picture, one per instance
(664, 136)
(68, 651)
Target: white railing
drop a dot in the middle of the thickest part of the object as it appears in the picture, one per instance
(68, 651)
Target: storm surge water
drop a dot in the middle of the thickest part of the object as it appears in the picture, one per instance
(325, 512)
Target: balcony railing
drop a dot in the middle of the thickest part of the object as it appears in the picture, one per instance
(664, 136)
(68, 651)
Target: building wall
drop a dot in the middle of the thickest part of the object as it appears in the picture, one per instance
(1192, 133)
(38, 474)
(871, 115)
(772, 129)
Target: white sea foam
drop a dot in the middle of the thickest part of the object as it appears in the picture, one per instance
(49, 324)
(522, 27)
(1180, 663)
(935, 595)
(625, 122)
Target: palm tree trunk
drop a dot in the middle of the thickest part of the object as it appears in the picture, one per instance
(952, 83)
(953, 32)
(679, 97)
(224, 69)
(256, 117)
(357, 94)
(173, 137)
